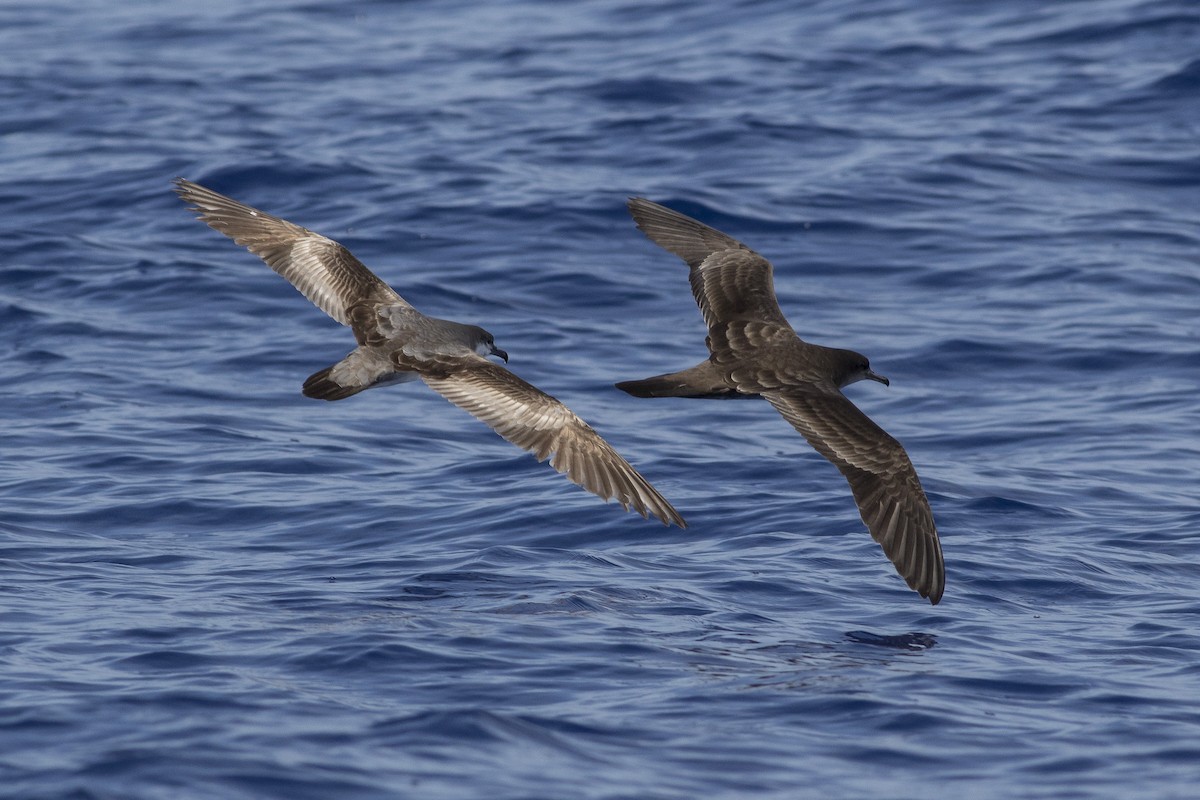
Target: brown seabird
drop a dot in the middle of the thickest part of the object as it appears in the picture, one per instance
(756, 353)
(398, 343)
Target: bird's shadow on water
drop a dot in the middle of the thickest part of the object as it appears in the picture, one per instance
(913, 640)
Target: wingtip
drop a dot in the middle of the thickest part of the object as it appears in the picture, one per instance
(932, 584)
(189, 192)
(669, 518)
(934, 597)
(661, 509)
(666, 514)
(643, 210)
(651, 503)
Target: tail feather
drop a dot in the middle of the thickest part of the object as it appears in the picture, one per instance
(323, 387)
(702, 380)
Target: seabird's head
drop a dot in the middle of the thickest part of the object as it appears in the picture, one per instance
(485, 345)
(854, 367)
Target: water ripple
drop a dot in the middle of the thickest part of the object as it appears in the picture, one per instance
(215, 587)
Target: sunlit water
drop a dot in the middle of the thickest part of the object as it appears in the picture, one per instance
(214, 587)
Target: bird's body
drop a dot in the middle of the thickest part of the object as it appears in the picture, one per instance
(754, 352)
(398, 343)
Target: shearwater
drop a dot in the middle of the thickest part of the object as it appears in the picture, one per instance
(754, 352)
(398, 343)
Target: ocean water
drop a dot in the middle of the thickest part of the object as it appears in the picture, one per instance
(213, 587)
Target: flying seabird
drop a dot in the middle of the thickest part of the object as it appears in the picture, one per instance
(754, 352)
(397, 343)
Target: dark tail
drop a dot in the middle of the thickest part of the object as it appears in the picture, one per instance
(702, 380)
(322, 387)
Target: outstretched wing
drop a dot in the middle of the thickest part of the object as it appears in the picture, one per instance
(884, 482)
(324, 271)
(732, 284)
(535, 421)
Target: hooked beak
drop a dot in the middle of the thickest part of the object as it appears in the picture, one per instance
(496, 351)
(875, 376)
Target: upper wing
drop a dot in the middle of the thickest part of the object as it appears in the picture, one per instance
(535, 421)
(731, 282)
(324, 271)
(884, 482)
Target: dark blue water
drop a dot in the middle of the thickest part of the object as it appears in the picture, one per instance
(211, 586)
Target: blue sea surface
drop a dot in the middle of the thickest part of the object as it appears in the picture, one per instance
(214, 587)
